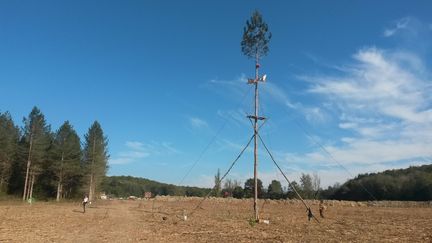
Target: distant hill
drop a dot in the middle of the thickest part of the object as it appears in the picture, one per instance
(411, 184)
(124, 186)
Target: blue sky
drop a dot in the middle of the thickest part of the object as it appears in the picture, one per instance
(167, 82)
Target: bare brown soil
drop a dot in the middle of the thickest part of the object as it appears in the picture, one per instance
(218, 220)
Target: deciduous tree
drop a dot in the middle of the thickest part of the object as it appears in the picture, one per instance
(249, 188)
(306, 186)
(275, 190)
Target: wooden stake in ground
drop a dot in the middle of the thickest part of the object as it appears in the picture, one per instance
(255, 45)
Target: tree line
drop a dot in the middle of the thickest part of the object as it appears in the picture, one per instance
(308, 188)
(36, 162)
(124, 186)
(411, 184)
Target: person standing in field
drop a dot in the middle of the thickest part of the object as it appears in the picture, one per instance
(322, 208)
(84, 202)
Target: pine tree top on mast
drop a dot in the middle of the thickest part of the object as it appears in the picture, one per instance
(256, 38)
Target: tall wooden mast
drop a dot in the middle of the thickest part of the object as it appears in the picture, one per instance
(254, 44)
(255, 119)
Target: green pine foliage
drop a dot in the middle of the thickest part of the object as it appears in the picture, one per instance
(38, 132)
(66, 161)
(9, 137)
(38, 163)
(256, 37)
(95, 161)
(37, 141)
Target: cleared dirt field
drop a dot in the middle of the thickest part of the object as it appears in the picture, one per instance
(218, 220)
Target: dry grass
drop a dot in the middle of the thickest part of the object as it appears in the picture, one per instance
(217, 221)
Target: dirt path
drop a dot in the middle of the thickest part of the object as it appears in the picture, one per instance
(217, 221)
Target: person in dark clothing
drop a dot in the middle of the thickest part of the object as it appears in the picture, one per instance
(84, 202)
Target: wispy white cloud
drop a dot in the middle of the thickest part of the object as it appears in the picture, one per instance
(197, 122)
(385, 103)
(275, 93)
(134, 145)
(120, 160)
(234, 82)
(313, 114)
(381, 84)
(234, 88)
(136, 151)
(127, 157)
(411, 33)
(398, 25)
(271, 91)
(237, 117)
